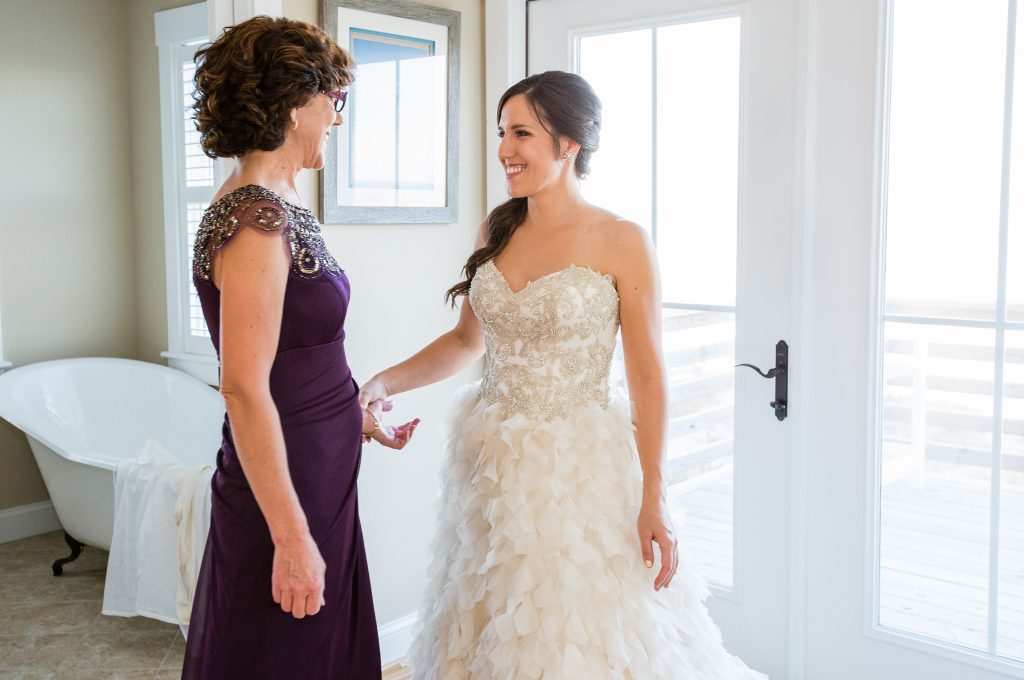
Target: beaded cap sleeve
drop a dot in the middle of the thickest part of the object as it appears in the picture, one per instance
(260, 208)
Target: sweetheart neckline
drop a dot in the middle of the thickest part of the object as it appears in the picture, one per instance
(569, 267)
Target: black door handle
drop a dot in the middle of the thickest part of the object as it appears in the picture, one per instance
(780, 375)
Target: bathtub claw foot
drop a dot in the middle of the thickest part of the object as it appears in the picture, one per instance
(76, 550)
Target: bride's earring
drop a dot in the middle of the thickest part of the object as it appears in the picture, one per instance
(295, 126)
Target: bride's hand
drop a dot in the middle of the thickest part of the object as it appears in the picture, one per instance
(655, 526)
(374, 390)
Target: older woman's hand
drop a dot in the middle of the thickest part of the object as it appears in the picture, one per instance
(373, 400)
(395, 437)
(298, 576)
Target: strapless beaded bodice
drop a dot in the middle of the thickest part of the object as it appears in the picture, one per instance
(549, 345)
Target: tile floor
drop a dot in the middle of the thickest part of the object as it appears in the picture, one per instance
(51, 627)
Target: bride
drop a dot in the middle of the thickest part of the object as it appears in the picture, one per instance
(555, 555)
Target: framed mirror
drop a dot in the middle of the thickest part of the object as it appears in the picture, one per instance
(395, 158)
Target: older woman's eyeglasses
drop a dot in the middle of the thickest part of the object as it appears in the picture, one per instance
(338, 97)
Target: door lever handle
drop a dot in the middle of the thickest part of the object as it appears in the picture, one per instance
(780, 377)
(772, 372)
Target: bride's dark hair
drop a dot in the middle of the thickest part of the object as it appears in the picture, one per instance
(566, 106)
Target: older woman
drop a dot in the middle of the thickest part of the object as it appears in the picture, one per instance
(283, 591)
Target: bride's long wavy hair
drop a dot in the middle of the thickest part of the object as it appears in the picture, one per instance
(566, 106)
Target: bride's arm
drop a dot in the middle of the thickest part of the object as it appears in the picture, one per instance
(639, 287)
(444, 357)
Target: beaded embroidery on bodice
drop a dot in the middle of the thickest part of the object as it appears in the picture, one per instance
(549, 345)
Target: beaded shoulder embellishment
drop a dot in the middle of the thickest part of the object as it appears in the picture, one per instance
(270, 212)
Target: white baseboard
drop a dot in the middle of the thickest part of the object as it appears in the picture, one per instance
(25, 521)
(395, 639)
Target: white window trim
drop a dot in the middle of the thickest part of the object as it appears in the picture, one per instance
(176, 29)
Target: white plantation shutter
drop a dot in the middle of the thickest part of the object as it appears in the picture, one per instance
(189, 185)
(197, 192)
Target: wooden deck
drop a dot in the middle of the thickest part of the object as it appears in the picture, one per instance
(703, 519)
(935, 562)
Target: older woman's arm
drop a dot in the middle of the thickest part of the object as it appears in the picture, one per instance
(251, 272)
(639, 287)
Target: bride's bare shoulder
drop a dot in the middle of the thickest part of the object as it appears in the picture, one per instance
(619, 235)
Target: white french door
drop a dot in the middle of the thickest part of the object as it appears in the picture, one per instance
(914, 486)
(774, 151)
(699, 144)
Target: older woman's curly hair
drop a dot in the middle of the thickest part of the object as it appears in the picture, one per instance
(250, 78)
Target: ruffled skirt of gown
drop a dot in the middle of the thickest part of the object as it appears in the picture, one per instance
(536, 569)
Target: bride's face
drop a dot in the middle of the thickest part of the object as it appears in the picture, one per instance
(527, 152)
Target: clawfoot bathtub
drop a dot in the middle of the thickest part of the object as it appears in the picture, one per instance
(83, 417)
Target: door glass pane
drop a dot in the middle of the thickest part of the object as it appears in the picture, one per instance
(698, 144)
(700, 354)
(945, 158)
(618, 66)
(940, 378)
(936, 476)
(687, 117)
(1011, 519)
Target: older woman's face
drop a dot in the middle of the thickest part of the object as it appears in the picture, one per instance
(316, 119)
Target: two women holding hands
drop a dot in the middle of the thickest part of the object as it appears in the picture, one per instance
(553, 496)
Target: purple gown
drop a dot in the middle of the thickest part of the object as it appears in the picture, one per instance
(236, 630)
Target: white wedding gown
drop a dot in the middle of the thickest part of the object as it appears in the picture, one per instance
(536, 568)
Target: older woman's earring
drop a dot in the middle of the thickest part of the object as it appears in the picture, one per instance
(569, 155)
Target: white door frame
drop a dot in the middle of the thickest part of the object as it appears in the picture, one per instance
(505, 56)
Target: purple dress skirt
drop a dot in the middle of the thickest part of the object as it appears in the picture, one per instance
(236, 629)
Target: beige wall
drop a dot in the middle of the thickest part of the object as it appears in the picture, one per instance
(67, 257)
(399, 275)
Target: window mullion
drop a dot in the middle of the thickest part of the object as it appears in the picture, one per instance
(1000, 339)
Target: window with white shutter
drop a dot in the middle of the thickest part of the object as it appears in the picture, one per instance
(189, 185)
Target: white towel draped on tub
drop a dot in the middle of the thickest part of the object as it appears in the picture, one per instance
(192, 516)
(161, 519)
